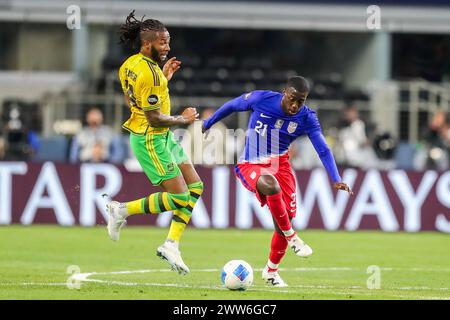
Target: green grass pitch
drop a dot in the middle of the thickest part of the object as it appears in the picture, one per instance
(34, 262)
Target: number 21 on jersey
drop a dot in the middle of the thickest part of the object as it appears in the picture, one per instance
(261, 128)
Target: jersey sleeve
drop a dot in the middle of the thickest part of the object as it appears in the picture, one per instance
(244, 102)
(315, 134)
(312, 122)
(150, 91)
(122, 78)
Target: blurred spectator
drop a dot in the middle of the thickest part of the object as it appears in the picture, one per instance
(445, 131)
(353, 147)
(437, 140)
(96, 142)
(433, 133)
(219, 147)
(302, 155)
(2, 148)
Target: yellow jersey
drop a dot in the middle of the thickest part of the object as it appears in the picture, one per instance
(145, 85)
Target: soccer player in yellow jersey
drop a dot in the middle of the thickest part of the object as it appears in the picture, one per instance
(161, 157)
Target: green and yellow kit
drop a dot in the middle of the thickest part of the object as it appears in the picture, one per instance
(145, 86)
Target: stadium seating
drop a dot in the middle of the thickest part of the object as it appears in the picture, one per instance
(227, 76)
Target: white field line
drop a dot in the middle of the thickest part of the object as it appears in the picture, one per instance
(85, 277)
(253, 288)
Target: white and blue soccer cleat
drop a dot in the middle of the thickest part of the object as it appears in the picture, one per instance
(273, 278)
(299, 247)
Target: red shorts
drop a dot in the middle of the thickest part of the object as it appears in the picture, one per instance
(280, 168)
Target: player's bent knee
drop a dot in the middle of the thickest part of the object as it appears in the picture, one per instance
(196, 189)
(200, 187)
(268, 185)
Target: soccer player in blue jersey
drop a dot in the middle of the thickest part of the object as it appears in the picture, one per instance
(276, 120)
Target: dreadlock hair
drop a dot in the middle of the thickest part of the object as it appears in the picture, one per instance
(130, 31)
(298, 83)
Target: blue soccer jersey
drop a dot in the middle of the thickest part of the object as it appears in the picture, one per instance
(271, 131)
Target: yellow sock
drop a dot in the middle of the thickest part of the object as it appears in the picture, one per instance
(182, 216)
(134, 207)
(177, 226)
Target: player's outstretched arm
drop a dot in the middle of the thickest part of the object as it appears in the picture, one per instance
(236, 105)
(325, 155)
(157, 119)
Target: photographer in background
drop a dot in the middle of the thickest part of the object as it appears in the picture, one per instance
(17, 142)
(354, 147)
(437, 140)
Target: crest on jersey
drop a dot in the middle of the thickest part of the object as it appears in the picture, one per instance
(279, 124)
(152, 99)
(292, 127)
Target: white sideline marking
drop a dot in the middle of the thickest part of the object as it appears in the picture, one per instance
(85, 277)
(216, 270)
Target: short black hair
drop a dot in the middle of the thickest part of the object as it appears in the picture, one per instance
(130, 31)
(298, 83)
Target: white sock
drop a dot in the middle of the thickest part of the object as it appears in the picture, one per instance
(272, 265)
(289, 232)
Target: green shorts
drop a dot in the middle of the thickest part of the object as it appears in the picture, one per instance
(159, 155)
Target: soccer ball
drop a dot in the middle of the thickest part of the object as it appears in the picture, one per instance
(237, 275)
